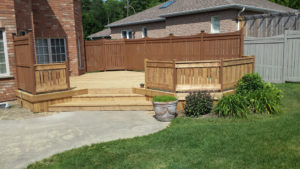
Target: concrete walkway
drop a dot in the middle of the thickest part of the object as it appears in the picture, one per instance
(23, 142)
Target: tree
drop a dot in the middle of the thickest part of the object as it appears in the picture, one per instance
(98, 13)
(289, 3)
(93, 16)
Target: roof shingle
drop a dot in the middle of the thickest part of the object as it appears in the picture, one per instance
(156, 14)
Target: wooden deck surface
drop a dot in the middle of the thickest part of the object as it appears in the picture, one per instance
(110, 79)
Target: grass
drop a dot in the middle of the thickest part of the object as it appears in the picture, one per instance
(164, 99)
(261, 141)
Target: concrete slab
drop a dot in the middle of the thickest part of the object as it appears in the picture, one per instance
(23, 142)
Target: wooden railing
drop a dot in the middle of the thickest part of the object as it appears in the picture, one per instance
(34, 78)
(186, 76)
(51, 77)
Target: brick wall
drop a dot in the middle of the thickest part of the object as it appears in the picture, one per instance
(8, 23)
(23, 15)
(183, 25)
(193, 24)
(56, 18)
(79, 34)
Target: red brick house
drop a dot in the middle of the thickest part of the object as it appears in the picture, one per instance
(57, 32)
(188, 17)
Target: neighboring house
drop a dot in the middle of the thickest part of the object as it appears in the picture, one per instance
(188, 17)
(104, 34)
(57, 31)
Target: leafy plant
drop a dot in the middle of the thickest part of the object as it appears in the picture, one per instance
(198, 103)
(249, 83)
(164, 99)
(252, 95)
(232, 106)
(266, 100)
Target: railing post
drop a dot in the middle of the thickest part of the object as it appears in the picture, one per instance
(253, 64)
(221, 74)
(241, 42)
(174, 75)
(146, 73)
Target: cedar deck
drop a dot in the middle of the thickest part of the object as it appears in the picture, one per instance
(110, 79)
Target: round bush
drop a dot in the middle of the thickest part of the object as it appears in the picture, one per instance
(249, 83)
(197, 104)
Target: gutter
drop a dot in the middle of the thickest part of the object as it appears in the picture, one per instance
(164, 16)
(237, 6)
(239, 14)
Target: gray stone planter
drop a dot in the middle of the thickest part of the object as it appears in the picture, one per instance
(165, 111)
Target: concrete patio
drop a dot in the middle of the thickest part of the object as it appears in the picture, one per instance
(25, 141)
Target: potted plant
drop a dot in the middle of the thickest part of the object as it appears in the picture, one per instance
(165, 107)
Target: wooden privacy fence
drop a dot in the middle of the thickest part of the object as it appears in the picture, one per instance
(35, 78)
(277, 58)
(267, 25)
(186, 76)
(130, 54)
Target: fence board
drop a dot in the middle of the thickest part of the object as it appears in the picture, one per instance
(277, 58)
(130, 54)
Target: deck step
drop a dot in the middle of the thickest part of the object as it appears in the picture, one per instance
(111, 91)
(109, 97)
(103, 106)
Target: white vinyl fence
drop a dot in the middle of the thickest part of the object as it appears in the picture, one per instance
(277, 58)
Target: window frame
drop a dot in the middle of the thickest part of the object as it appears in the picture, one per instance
(5, 49)
(127, 34)
(49, 46)
(144, 32)
(213, 30)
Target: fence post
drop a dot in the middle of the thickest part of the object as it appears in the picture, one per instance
(174, 76)
(284, 59)
(221, 74)
(146, 73)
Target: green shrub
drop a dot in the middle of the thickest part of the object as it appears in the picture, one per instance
(266, 100)
(249, 83)
(164, 99)
(252, 95)
(198, 103)
(232, 106)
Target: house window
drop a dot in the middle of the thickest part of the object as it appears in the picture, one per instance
(4, 68)
(124, 34)
(144, 32)
(51, 50)
(215, 24)
(127, 34)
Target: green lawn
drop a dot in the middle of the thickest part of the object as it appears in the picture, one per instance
(257, 142)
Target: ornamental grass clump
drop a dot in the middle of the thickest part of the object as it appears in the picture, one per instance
(197, 104)
(232, 106)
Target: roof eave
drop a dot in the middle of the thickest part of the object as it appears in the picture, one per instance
(238, 6)
(135, 23)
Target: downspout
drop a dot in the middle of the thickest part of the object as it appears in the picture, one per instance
(239, 14)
